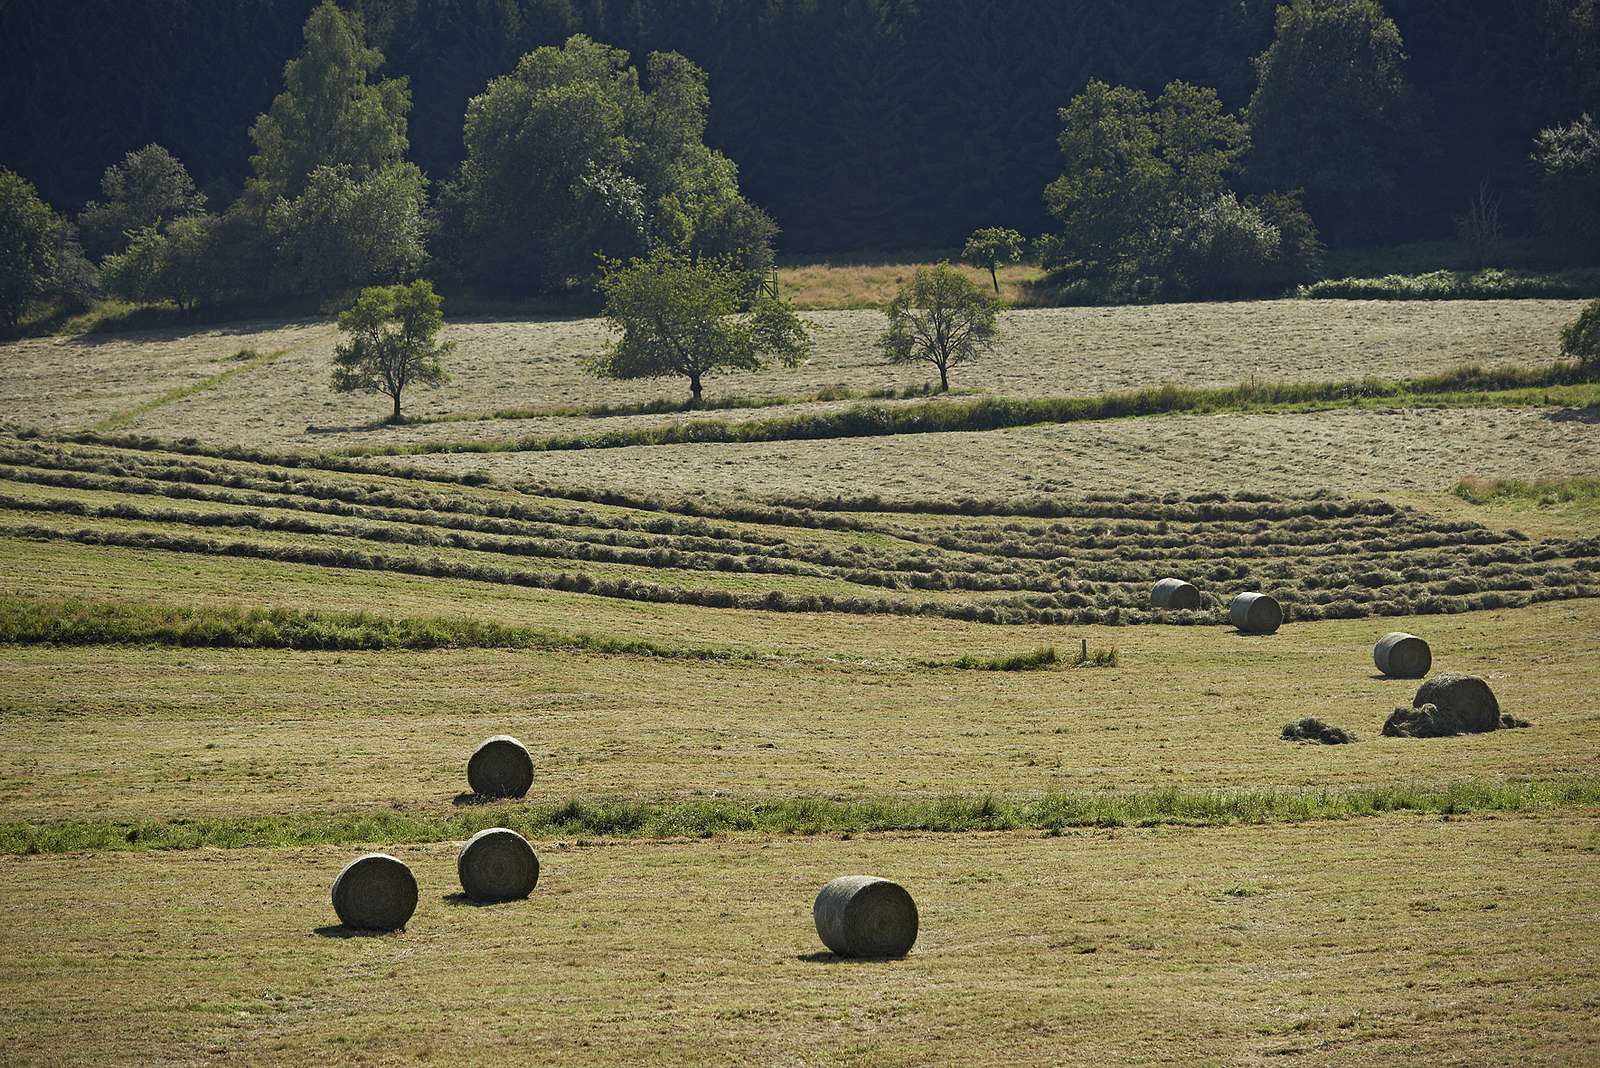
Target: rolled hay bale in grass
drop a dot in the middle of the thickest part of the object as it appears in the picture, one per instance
(1402, 656)
(1174, 593)
(1255, 613)
(500, 767)
(864, 916)
(497, 864)
(375, 892)
(1467, 698)
(1446, 705)
(1312, 729)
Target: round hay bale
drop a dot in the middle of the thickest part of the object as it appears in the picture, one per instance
(1465, 699)
(500, 767)
(497, 865)
(375, 892)
(1174, 593)
(1255, 613)
(864, 916)
(1402, 656)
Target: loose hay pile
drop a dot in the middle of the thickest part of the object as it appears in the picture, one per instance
(1311, 729)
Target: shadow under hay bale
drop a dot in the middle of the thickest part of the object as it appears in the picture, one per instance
(864, 916)
(1175, 594)
(375, 892)
(497, 864)
(500, 767)
(1311, 729)
(1255, 613)
(1402, 656)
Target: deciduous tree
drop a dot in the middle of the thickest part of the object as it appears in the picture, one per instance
(150, 187)
(940, 317)
(27, 246)
(330, 113)
(680, 317)
(992, 247)
(393, 342)
(1333, 114)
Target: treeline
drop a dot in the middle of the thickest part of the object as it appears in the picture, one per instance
(577, 157)
(856, 123)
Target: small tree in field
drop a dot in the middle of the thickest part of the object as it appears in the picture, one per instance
(393, 342)
(681, 317)
(1580, 339)
(941, 317)
(991, 248)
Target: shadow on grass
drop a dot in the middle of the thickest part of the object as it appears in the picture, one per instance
(1574, 415)
(468, 799)
(824, 957)
(461, 900)
(339, 930)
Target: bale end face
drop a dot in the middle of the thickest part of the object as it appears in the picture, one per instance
(500, 767)
(1402, 656)
(1175, 594)
(1255, 613)
(497, 864)
(375, 892)
(863, 916)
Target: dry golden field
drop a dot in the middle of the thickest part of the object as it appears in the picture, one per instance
(521, 365)
(1393, 941)
(735, 688)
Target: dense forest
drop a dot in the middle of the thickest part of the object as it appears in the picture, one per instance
(854, 123)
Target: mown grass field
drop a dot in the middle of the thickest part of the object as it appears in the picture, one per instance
(228, 664)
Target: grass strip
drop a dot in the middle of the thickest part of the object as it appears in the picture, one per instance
(673, 406)
(1489, 284)
(1577, 489)
(72, 621)
(1033, 660)
(621, 818)
(247, 360)
(1474, 386)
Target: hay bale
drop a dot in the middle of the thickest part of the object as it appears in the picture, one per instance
(1175, 594)
(500, 767)
(497, 865)
(863, 916)
(1255, 613)
(1465, 698)
(1402, 656)
(375, 892)
(1311, 729)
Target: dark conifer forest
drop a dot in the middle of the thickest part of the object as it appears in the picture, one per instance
(854, 123)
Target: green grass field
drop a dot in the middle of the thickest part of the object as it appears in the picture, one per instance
(234, 654)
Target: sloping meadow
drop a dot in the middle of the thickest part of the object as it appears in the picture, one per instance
(1042, 560)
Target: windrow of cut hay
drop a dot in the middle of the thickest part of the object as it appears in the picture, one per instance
(1320, 557)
